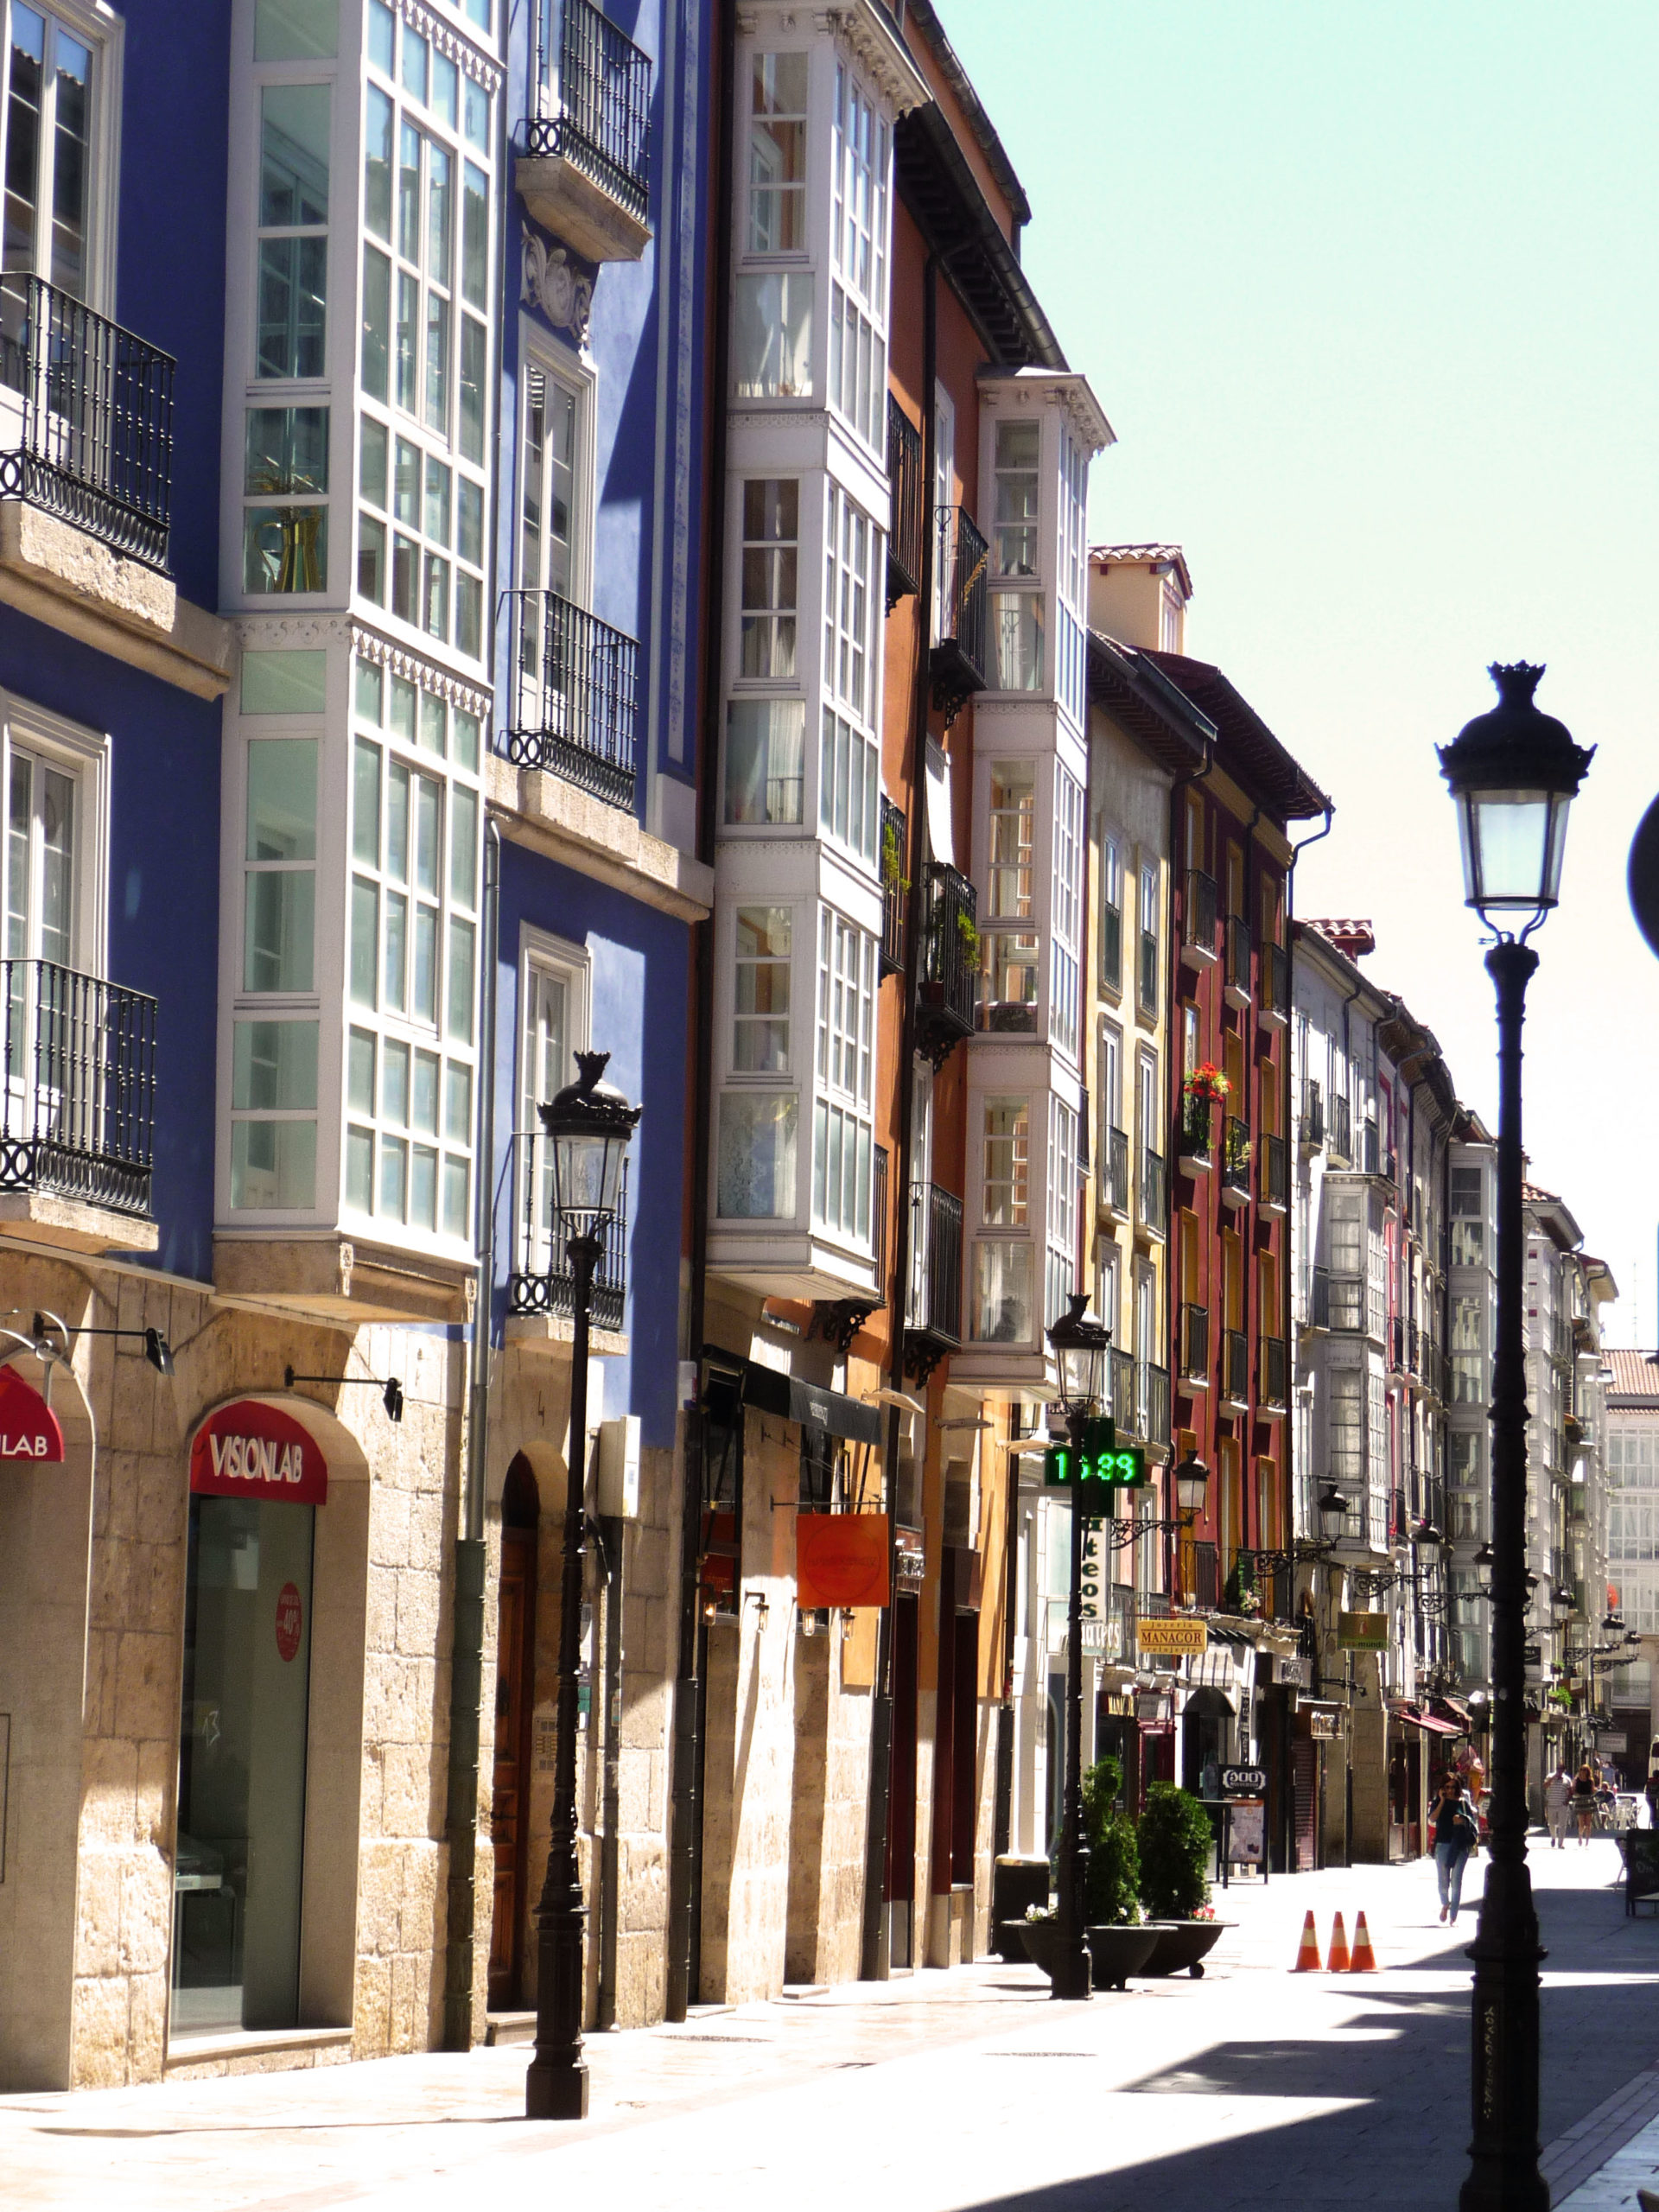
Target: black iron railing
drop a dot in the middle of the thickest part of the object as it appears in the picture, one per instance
(1195, 1342)
(96, 440)
(1236, 1154)
(1155, 1190)
(1120, 1387)
(895, 887)
(575, 695)
(1238, 957)
(935, 1304)
(1152, 1388)
(79, 1113)
(1115, 1180)
(1204, 1567)
(1273, 985)
(879, 1222)
(1318, 1299)
(950, 959)
(907, 535)
(1111, 947)
(1273, 1173)
(959, 656)
(1399, 1345)
(1199, 914)
(1371, 1150)
(1271, 1582)
(542, 1281)
(1236, 1367)
(1313, 1116)
(1342, 1140)
(1274, 1373)
(603, 126)
(1196, 1132)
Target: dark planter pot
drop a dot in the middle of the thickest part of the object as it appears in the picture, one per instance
(1042, 1941)
(1182, 1945)
(1118, 1951)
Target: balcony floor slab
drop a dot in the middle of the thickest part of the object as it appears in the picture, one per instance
(551, 1335)
(44, 1217)
(341, 1280)
(567, 203)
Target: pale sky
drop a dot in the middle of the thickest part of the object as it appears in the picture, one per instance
(1368, 293)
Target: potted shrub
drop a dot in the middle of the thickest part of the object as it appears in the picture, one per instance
(1175, 1842)
(1118, 1944)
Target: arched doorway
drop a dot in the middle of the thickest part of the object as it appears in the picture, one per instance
(515, 1700)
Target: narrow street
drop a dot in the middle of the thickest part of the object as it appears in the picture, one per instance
(1248, 2089)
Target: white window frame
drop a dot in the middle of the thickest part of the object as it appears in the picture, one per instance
(841, 1032)
(560, 364)
(104, 32)
(543, 957)
(84, 754)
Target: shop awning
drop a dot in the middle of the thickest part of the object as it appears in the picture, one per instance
(1411, 1716)
(790, 1399)
(1452, 1709)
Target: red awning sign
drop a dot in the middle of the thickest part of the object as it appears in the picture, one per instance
(249, 1450)
(28, 1427)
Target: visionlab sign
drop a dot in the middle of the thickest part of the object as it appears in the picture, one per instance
(248, 1450)
(28, 1427)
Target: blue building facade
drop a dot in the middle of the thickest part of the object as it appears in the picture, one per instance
(351, 525)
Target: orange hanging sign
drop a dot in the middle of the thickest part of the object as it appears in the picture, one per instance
(841, 1559)
(28, 1427)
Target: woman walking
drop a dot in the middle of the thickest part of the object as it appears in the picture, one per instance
(1584, 1801)
(1457, 1829)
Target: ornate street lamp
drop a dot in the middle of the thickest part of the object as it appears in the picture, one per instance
(588, 1127)
(1513, 773)
(1192, 1478)
(1333, 1513)
(1079, 1345)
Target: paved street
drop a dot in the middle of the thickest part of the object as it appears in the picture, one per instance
(1247, 2088)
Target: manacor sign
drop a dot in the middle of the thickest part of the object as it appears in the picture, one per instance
(247, 1450)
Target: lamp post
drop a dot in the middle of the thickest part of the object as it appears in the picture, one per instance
(1079, 1345)
(588, 1126)
(1513, 773)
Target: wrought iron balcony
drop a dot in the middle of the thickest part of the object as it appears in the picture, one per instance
(1198, 919)
(1235, 1161)
(1195, 1344)
(1151, 1391)
(1274, 1374)
(93, 439)
(933, 1307)
(1195, 1134)
(542, 1281)
(1111, 947)
(1312, 1116)
(958, 659)
(1272, 986)
(1342, 1140)
(603, 124)
(1115, 1172)
(1236, 1367)
(78, 1116)
(1318, 1299)
(1371, 1150)
(908, 535)
(895, 888)
(1155, 1190)
(575, 695)
(1147, 980)
(1237, 987)
(950, 963)
(1399, 1345)
(1137, 1398)
(1273, 1175)
(1202, 1576)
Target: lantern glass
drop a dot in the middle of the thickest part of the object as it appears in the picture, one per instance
(1192, 1478)
(1333, 1512)
(1079, 1344)
(1513, 842)
(586, 1171)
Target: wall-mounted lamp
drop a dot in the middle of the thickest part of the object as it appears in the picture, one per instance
(391, 1389)
(157, 1351)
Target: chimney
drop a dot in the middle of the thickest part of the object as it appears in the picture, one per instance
(1138, 594)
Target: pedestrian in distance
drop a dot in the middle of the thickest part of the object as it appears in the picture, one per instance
(1584, 1801)
(1558, 1796)
(1457, 1830)
(1652, 1794)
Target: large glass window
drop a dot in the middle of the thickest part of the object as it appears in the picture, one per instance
(284, 536)
(1068, 910)
(848, 775)
(416, 822)
(1006, 1174)
(858, 288)
(425, 350)
(1002, 1290)
(280, 855)
(242, 1751)
(770, 577)
(842, 1136)
(765, 743)
(47, 157)
(294, 122)
(777, 154)
(757, 1154)
(761, 1001)
(274, 1115)
(1009, 957)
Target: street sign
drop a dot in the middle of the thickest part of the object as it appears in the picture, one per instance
(1169, 1632)
(1362, 1631)
(1244, 1781)
(1532, 1655)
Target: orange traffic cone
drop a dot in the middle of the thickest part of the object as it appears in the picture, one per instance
(1337, 1962)
(1364, 1958)
(1307, 1956)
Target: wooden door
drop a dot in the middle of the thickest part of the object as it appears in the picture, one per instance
(510, 1798)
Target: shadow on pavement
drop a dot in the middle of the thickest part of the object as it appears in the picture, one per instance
(1405, 2147)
